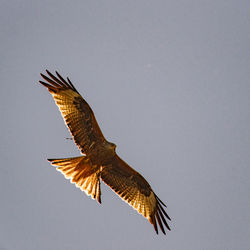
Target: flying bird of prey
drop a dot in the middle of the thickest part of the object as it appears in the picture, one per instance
(99, 160)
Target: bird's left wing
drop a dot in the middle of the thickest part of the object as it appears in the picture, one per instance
(135, 190)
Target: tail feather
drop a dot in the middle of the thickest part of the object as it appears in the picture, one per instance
(82, 173)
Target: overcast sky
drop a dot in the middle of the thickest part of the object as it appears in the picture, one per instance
(169, 84)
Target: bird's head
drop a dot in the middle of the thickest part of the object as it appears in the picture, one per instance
(109, 151)
(112, 145)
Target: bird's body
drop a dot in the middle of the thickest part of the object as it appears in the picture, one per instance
(99, 160)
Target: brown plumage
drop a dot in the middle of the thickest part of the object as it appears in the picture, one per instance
(99, 160)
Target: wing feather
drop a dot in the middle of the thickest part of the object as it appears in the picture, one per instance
(75, 111)
(135, 190)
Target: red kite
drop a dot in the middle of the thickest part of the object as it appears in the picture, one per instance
(99, 160)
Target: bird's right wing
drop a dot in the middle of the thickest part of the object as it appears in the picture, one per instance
(75, 111)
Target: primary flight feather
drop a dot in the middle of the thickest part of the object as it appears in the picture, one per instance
(99, 160)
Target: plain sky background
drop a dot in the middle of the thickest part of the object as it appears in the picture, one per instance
(169, 84)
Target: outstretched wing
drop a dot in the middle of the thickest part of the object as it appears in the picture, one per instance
(75, 111)
(135, 190)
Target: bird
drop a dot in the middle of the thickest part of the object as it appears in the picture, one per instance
(99, 161)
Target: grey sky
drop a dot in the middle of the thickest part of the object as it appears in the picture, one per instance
(169, 84)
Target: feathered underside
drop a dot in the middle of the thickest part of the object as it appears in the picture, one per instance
(135, 190)
(76, 113)
(80, 172)
(100, 162)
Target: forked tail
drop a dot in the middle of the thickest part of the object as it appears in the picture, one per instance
(81, 172)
